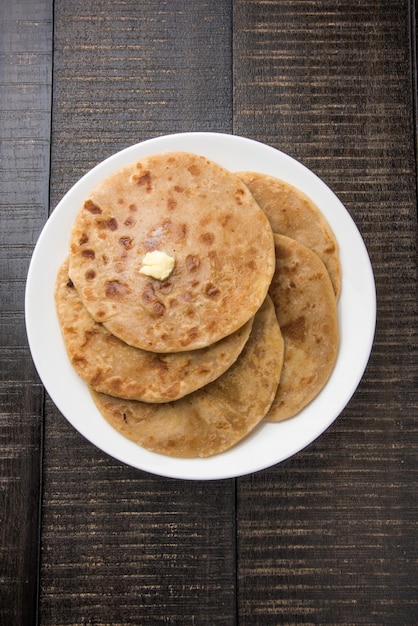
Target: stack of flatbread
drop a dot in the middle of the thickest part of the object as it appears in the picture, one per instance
(196, 302)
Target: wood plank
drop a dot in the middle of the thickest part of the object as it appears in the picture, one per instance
(329, 536)
(25, 98)
(413, 11)
(120, 546)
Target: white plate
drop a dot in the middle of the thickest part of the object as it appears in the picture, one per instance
(269, 443)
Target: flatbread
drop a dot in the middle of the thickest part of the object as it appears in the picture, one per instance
(111, 366)
(216, 417)
(293, 214)
(306, 311)
(196, 212)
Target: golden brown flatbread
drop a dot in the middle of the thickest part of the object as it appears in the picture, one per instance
(293, 214)
(197, 213)
(216, 417)
(306, 310)
(113, 367)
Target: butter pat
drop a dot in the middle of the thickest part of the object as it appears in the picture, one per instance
(157, 264)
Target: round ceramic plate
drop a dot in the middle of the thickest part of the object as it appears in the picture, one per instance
(269, 443)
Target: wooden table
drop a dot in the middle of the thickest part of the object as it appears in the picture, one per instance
(326, 537)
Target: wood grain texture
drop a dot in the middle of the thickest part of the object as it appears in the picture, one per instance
(120, 546)
(329, 537)
(25, 109)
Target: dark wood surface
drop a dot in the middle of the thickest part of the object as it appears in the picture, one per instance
(327, 537)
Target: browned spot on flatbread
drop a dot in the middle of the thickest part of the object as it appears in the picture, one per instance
(207, 238)
(194, 170)
(130, 222)
(143, 180)
(282, 252)
(225, 219)
(192, 335)
(90, 274)
(192, 262)
(112, 224)
(89, 336)
(164, 286)
(211, 290)
(239, 195)
(126, 242)
(295, 329)
(92, 207)
(95, 380)
(158, 308)
(79, 361)
(148, 294)
(115, 290)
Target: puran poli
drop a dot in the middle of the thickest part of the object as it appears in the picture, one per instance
(194, 211)
(293, 214)
(306, 311)
(111, 366)
(216, 417)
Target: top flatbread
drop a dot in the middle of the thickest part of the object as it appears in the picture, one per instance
(214, 418)
(293, 214)
(196, 212)
(306, 310)
(111, 366)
